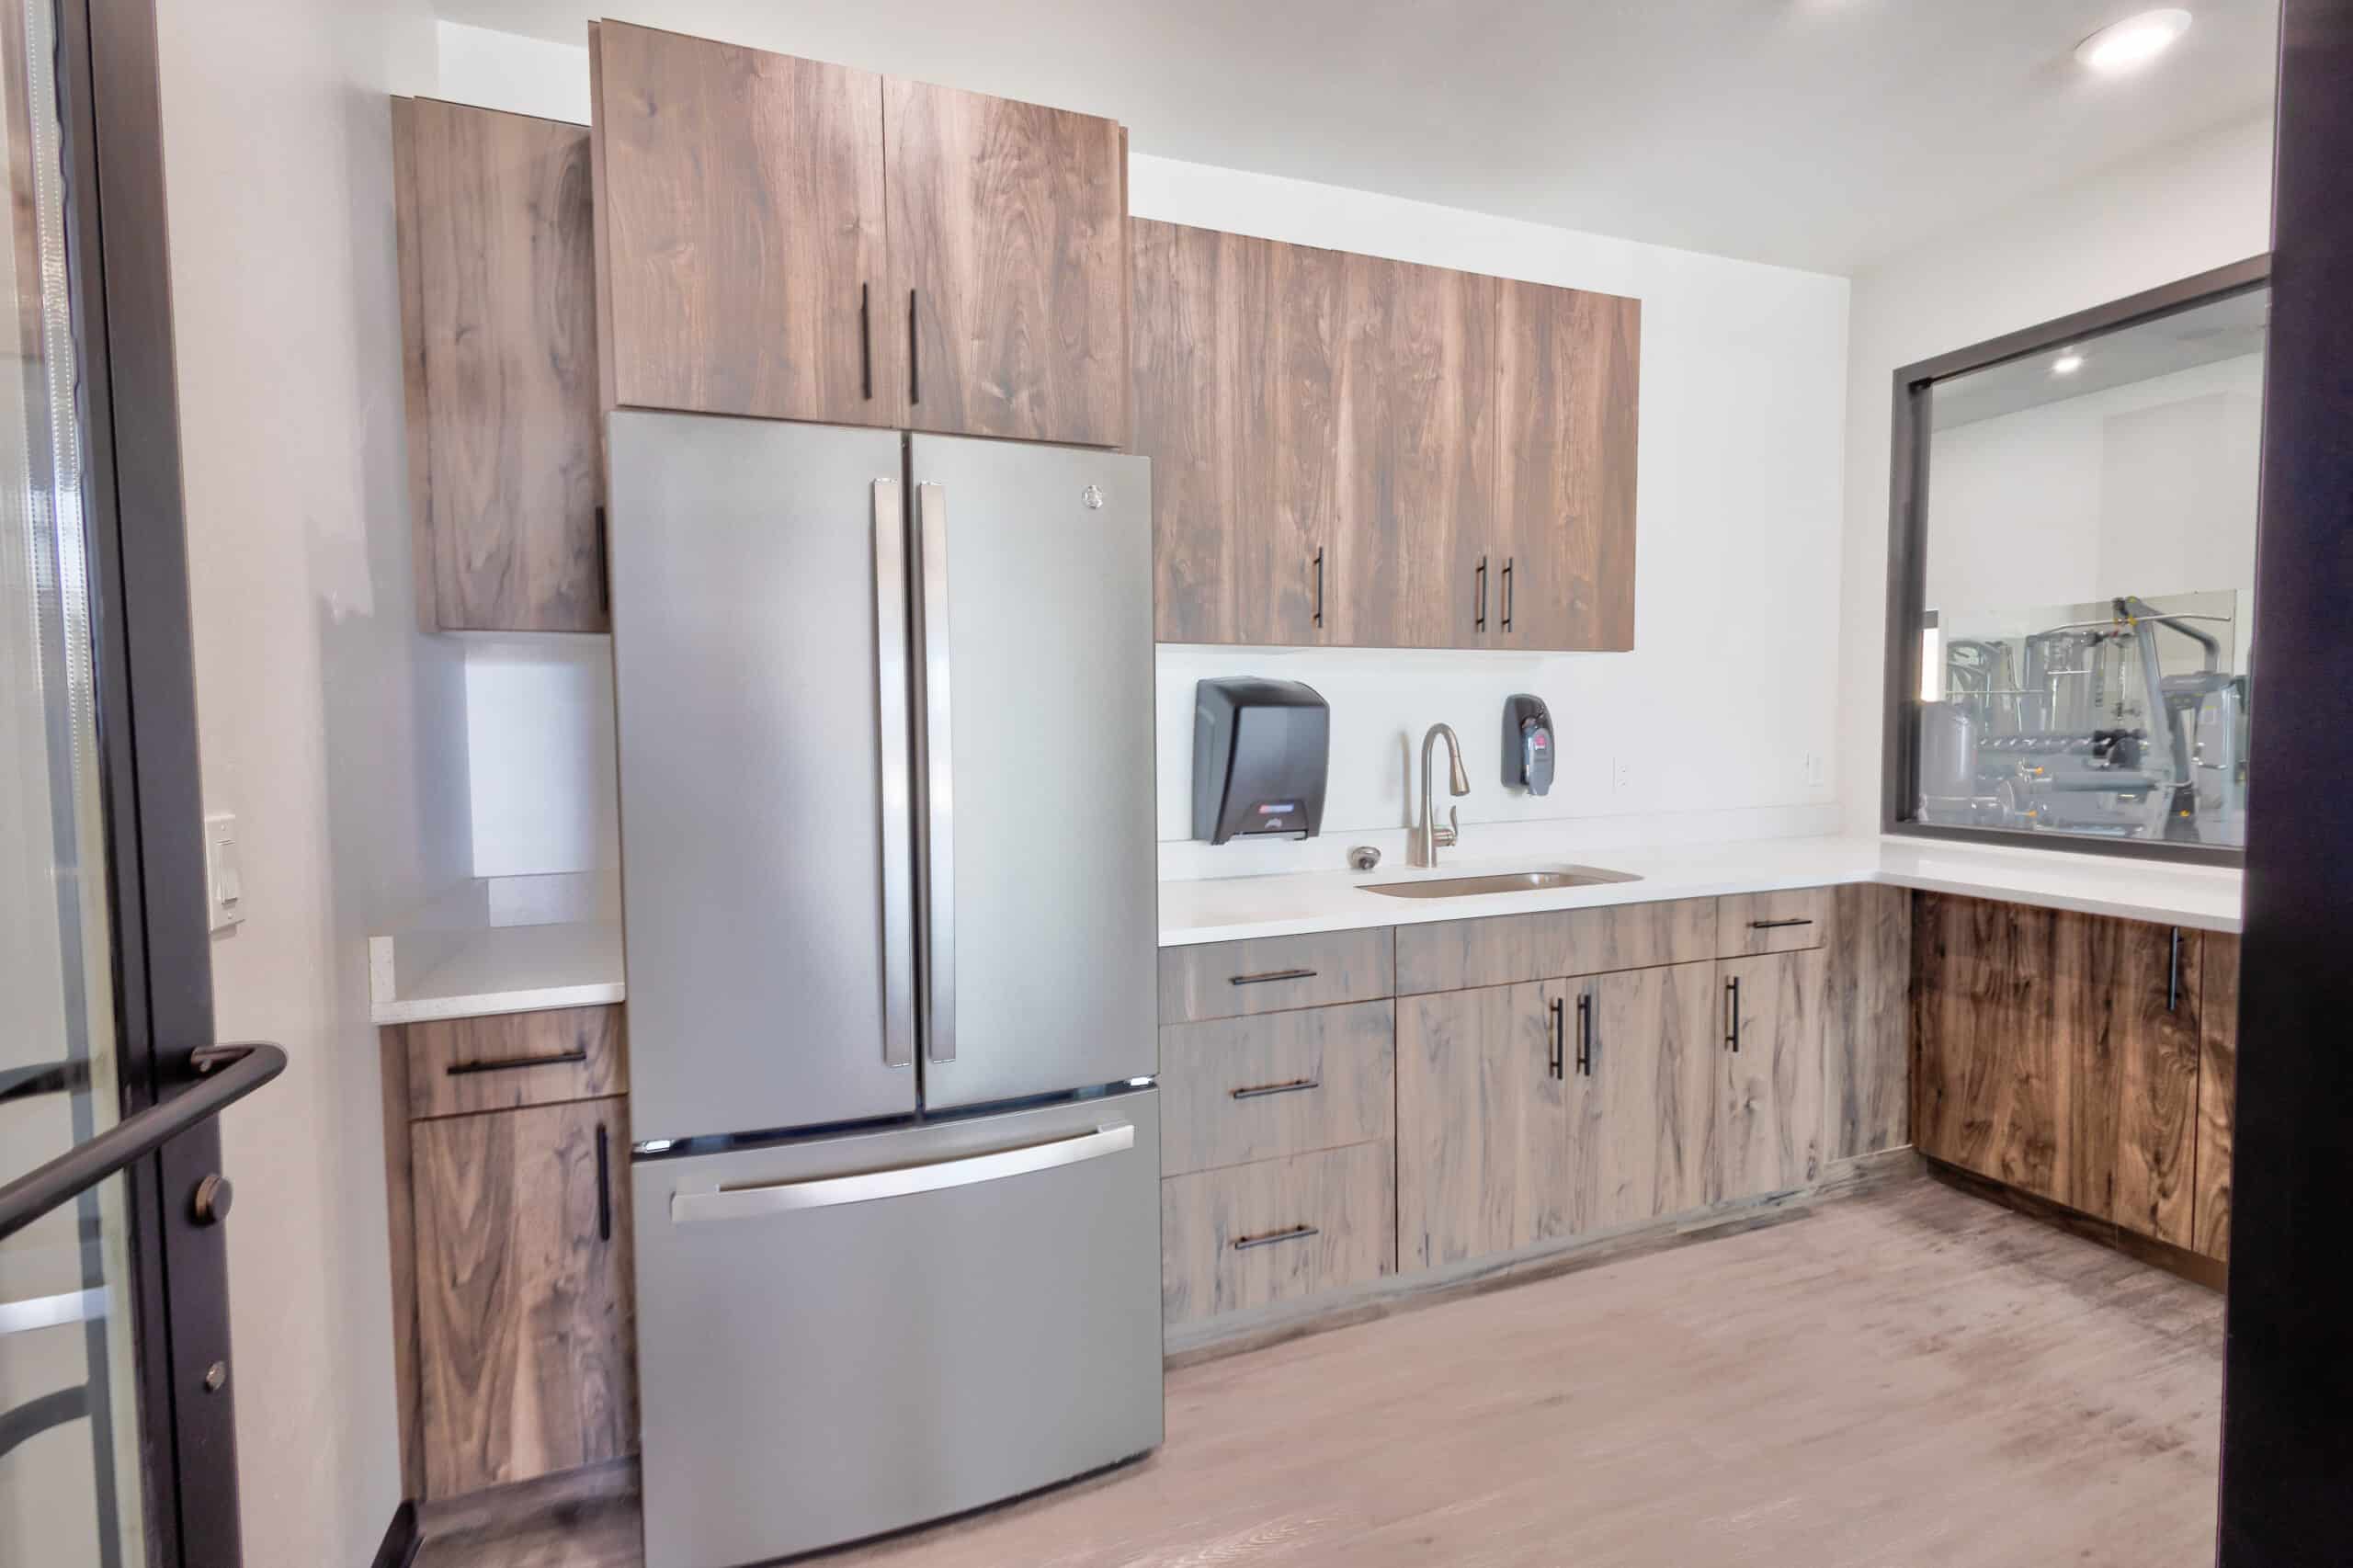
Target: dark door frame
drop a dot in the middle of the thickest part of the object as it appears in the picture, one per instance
(2287, 1488)
(117, 250)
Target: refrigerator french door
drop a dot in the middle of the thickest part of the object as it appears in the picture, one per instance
(886, 787)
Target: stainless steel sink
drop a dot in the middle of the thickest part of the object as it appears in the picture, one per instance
(1503, 881)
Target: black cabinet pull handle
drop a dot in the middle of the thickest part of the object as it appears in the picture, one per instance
(1272, 974)
(1777, 925)
(1260, 1091)
(578, 1053)
(864, 342)
(604, 1187)
(1479, 605)
(1507, 564)
(915, 373)
(1296, 1234)
(1585, 1034)
(1319, 586)
(1559, 1034)
(604, 567)
(1731, 1036)
(2172, 976)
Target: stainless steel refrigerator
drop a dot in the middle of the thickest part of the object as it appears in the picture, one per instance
(888, 886)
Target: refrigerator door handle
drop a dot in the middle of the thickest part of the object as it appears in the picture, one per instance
(825, 1192)
(938, 786)
(891, 713)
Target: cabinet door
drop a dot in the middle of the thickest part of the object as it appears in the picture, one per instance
(1280, 382)
(526, 1355)
(2127, 1012)
(1417, 457)
(1183, 422)
(740, 231)
(1481, 1124)
(1990, 1090)
(1008, 266)
(2217, 1094)
(1770, 1108)
(498, 305)
(1568, 376)
(1641, 1095)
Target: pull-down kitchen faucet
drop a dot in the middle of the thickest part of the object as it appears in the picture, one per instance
(1428, 837)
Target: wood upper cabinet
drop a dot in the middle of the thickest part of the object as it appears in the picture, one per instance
(794, 240)
(1483, 1130)
(1416, 457)
(1568, 371)
(1771, 1102)
(1234, 386)
(526, 1350)
(500, 355)
(740, 224)
(1009, 254)
(1640, 1074)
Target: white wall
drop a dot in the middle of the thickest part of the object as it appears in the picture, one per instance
(540, 751)
(326, 722)
(1730, 691)
(2197, 205)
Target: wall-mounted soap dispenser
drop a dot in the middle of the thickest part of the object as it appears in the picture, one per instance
(1528, 744)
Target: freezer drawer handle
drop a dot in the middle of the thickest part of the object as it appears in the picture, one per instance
(577, 1054)
(1778, 925)
(826, 1192)
(1259, 1091)
(1296, 1234)
(1271, 974)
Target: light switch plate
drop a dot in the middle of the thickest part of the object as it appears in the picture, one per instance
(224, 880)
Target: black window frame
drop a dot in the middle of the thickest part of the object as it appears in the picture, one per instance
(1907, 564)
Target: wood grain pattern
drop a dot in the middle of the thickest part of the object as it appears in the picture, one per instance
(1337, 1061)
(400, 1227)
(1452, 955)
(1349, 1195)
(1185, 425)
(498, 209)
(1008, 224)
(1770, 1106)
(1280, 382)
(415, 406)
(745, 266)
(527, 1352)
(2137, 1125)
(587, 1518)
(1991, 1090)
(1200, 982)
(1867, 1025)
(1642, 1118)
(1750, 924)
(1416, 454)
(1482, 1123)
(435, 1048)
(1568, 381)
(2217, 1095)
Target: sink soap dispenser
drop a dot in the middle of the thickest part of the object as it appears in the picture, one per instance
(1528, 744)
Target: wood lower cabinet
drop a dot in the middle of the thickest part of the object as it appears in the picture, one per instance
(1866, 1031)
(525, 1348)
(2217, 1095)
(1483, 1128)
(1640, 1077)
(1276, 1230)
(1771, 1098)
(500, 358)
(1240, 1089)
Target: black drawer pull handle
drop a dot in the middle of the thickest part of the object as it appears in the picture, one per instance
(1292, 1086)
(577, 1054)
(604, 1187)
(1296, 1234)
(1777, 925)
(1272, 974)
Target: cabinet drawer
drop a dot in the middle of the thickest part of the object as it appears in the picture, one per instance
(1749, 924)
(1231, 980)
(1276, 1230)
(1458, 955)
(1234, 1090)
(457, 1066)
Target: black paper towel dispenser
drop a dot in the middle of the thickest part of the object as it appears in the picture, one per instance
(1259, 750)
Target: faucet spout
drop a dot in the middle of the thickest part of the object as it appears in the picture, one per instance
(1428, 837)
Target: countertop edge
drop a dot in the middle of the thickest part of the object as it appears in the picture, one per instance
(489, 1004)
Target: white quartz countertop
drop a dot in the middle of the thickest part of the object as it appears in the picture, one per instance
(501, 944)
(1227, 909)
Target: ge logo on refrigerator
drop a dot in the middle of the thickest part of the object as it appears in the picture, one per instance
(1093, 496)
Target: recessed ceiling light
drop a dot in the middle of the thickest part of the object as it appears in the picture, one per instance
(2068, 364)
(2134, 41)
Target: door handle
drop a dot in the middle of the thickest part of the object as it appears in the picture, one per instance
(1271, 974)
(1260, 1091)
(1479, 604)
(915, 373)
(827, 1192)
(2173, 975)
(1584, 1033)
(1319, 586)
(604, 1185)
(1296, 1234)
(890, 719)
(1732, 1034)
(578, 1053)
(938, 889)
(1507, 565)
(865, 343)
(1778, 924)
(1559, 1040)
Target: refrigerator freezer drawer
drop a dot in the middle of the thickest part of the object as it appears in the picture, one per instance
(846, 1337)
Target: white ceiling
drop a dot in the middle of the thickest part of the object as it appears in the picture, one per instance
(1816, 133)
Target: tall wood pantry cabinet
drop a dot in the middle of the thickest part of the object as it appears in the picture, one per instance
(794, 240)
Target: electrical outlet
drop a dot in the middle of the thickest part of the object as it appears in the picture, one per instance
(1817, 772)
(223, 878)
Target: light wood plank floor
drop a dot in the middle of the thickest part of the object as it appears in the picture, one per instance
(1915, 1376)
